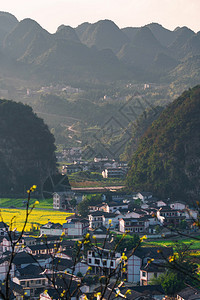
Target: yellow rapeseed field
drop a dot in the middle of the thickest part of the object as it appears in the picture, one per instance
(36, 218)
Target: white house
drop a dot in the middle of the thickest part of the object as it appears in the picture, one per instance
(61, 199)
(114, 206)
(4, 266)
(103, 258)
(76, 227)
(144, 196)
(150, 271)
(111, 220)
(139, 258)
(3, 228)
(54, 229)
(133, 225)
(177, 205)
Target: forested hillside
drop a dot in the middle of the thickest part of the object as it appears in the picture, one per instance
(26, 149)
(167, 161)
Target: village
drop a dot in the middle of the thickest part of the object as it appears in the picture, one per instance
(72, 256)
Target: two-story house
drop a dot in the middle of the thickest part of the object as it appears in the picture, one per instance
(76, 227)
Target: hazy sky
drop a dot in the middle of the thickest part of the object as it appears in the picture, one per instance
(52, 13)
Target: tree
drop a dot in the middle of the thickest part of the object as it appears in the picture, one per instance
(169, 281)
(129, 242)
(180, 270)
(83, 206)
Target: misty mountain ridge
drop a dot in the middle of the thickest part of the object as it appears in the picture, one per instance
(99, 51)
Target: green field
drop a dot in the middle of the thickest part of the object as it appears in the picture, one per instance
(19, 203)
(195, 243)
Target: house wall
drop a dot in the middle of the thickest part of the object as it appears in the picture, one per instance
(133, 269)
(76, 229)
(49, 231)
(80, 267)
(4, 270)
(144, 280)
(177, 205)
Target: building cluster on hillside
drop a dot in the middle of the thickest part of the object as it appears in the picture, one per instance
(42, 263)
(109, 168)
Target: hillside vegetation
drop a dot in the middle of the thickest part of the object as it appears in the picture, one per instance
(167, 161)
(26, 149)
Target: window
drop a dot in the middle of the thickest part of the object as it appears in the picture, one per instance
(22, 282)
(155, 275)
(90, 260)
(97, 261)
(143, 274)
(111, 264)
(105, 262)
(38, 281)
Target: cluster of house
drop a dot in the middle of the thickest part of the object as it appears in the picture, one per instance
(44, 266)
(39, 259)
(109, 168)
(160, 217)
(152, 216)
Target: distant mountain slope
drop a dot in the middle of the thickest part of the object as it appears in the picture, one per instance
(142, 50)
(103, 34)
(68, 60)
(192, 47)
(7, 24)
(99, 52)
(67, 33)
(188, 71)
(183, 36)
(18, 40)
(167, 160)
(130, 32)
(163, 35)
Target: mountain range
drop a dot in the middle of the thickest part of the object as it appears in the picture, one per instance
(99, 52)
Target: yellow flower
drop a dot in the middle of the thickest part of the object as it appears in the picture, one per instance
(110, 221)
(123, 270)
(94, 237)
(62, 233)
(150, 260)
(89, 268)
(97, 294)
(144, 237)
(33, 188)
(123, 257)
(87, 236)
(128, 292)
(36, 202)
(171, 258)
(28, 191)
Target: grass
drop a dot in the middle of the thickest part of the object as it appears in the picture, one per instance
(37, 217)
(195, 244)
(19, 203)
